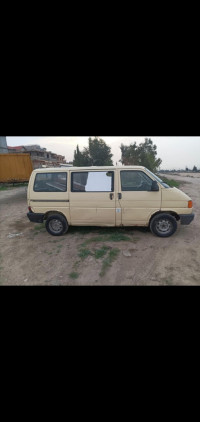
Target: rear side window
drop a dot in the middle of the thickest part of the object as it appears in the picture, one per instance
(93, 181)
(50, 182)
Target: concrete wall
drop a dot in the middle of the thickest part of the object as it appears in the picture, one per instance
(3, 145)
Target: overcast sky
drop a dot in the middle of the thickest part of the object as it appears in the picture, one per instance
(175, 151)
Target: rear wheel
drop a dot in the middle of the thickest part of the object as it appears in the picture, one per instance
(163, 225)
(56, 225)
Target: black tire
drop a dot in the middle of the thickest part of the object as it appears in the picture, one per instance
(56, 225)
(163, 225)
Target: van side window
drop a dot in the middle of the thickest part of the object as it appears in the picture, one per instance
(50, 182)
(92, 181)
(135, 181)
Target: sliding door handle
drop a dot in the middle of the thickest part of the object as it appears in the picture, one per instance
(111, 196)
(119, 195)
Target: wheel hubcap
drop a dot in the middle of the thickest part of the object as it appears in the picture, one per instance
(164, 226)
(56, 226)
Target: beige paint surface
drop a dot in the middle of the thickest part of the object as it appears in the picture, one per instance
(98, 209)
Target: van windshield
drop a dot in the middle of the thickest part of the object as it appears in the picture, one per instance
(158, 179)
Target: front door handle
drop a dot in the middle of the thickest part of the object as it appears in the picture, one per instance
(111, 196)
(119, 196)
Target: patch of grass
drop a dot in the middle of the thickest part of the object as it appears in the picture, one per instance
(100, 253)
(74, 275)
(40, 227)
(114, 233)
(168, 281)
(83, 229)
(107, 262)
(105, 253)
(2, 188)
(172, 183)
(84, 253)
(118, 237)
(114, 237)
(8, 186)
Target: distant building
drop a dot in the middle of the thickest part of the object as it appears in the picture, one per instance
(3, 145)
(40, 156)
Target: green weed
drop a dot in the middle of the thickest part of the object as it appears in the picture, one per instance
(7, 186)
(84, 253)
(2, 188)
(107, 262)
(82, 229)
(74, 275)
(114, 237)
(40, 227)
(100, 253)
(172, 183)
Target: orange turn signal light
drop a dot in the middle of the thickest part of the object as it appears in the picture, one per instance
(190, 204)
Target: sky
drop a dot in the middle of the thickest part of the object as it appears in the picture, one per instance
(176, 152)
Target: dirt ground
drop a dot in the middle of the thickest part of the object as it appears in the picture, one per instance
(30, 256)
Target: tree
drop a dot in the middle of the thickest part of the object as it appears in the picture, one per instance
(81, 159)
(77, 157)
(98, 153)
(194, 168)
(144, 154)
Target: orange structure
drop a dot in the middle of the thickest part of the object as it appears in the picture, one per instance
(15, 168)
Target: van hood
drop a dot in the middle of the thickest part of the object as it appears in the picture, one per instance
(175, 198)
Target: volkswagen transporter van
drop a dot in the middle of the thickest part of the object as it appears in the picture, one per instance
(106, 196)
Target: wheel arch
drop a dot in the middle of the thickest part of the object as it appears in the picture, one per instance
(172, 213)
(49, 213)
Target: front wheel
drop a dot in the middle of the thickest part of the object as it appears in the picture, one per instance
(163, 225)
(56, 225)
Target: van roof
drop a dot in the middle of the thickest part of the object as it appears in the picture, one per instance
(61, 169)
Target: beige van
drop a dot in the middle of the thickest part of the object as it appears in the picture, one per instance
(106, 196)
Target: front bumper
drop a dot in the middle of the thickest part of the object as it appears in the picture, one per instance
(35, 218)
(186, 218)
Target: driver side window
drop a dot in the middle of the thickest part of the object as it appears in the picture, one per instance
(135, 181)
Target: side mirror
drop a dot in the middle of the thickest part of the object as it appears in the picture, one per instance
(154, 187)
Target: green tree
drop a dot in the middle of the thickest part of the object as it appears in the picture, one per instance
(194, 168)
(144, 154)
(81, 159)
(77, 157)
(98, 153)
